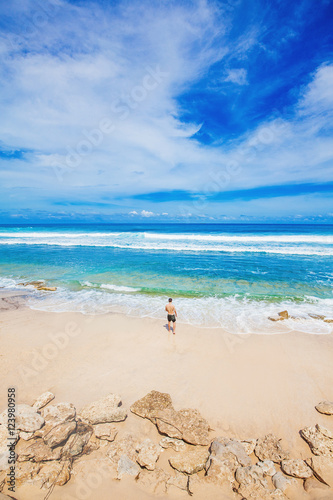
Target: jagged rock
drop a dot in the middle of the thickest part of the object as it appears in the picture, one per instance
(282, 482)
(105, 431)
(322, 468)
(225, 457)
(26, 435)
(175, 444)
(125, 446)
(43, 400)
(54, 435)
(93, 444)
(296, 468)
(148, 454)
(154, 481)
(249, 445)
(47, 288)
(127, 466)
(55, 473)
(58, 413)
(191, 461)
(26, 471)
(220, 446)
(38, 452)
(269, 448)
(104, 410)
(267, 467)
(252, 484)
(283, 314)
(315, 487)
(149, 405)
(77, 442)
(179, 480)
(325, 407)
(317, 439)
(278, 495)
(27, 419)
(324, 431)
(186, 424)
(275, 317)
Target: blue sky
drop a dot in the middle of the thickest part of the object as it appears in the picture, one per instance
(171, 110)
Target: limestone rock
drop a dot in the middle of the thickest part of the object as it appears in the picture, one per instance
(275, 317)
(26, 435)
(267, 467)
(252, 484)
(105, 431)
(325, 407)
(55, 473)
(296, 468)
(186, 424)
(225, 457)
(269, 448)
(60, 412)
(191, 461)
(25, 472)
(104, 410)
(315, 487)
(154, 481)
(149, 405)
(27, 419)
(47, 288)
(77, 442)
(278, 495)
(126, 466)
(249, 445)
(175, 444)
(324, 431)
(57, 434)
(282, 482)
(148, 454)
(180, 481)
(323, 469)
(38, 452)
(43, 400)
(283, 314)
(94, 444)
(125, 446)
(318, 441)
(220, 446)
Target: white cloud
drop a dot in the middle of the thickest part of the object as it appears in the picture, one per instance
(146, 213)
(238, 76)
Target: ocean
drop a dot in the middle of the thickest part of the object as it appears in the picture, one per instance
(230, 276)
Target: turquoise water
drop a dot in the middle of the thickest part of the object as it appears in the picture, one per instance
(228, 275)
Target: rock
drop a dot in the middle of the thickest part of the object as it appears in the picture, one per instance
(318, 440)
(149, 405)
(249, 445)
(38, 452)
(185, 424)
(252, 484)
(296, 468)
(127, 466)
(191, 461)
(324, 431)
(25, 472)
(148, 454)
(43, 400)
(154, 481)
(104, 410)
(54, 435)
(278, 495)
(94, 444)
(125, 446)
(225, 457)
(275, 318)
(282, 482)
(315, 487)
(105, 431)
(60, 412)
(328, 320)
(175, 444)
(26, 435)
(220, 446)
(316, 316)
(267, 467)
(27, 419)
(47, 288)
(77, 442)
(180, 481)
(283, 314)
(269, 448)
(325, 407)
(55, 473)
(322, 468)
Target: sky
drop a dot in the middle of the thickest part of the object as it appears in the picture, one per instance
(166, 111)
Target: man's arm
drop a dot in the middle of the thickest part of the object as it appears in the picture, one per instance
(175, 312)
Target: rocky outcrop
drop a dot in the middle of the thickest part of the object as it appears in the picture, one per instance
(319, 440)
(104, 410)
(322, 468)
(190, 461)
(269, 448)
(55, 435)
(58, 413)
(38, 452)
(186, 424)
(27, 419)
(149, 405)
(325, 407)
(43, 400)
(252, 483)
(296, 468)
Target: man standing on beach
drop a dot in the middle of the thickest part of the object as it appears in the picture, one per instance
(172, 313)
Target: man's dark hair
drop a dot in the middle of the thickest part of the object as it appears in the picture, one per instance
(170, 300)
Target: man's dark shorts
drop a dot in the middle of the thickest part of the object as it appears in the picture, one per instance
(172, 317)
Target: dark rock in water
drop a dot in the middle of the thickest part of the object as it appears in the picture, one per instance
(284, 314)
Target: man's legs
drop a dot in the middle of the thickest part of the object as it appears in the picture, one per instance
(174, 327)
(169, 323)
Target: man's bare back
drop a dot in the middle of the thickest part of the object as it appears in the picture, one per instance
(172, 314)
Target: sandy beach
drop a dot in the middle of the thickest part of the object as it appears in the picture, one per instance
(244, 386)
